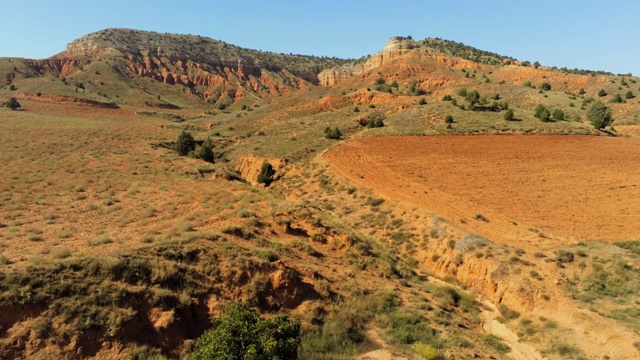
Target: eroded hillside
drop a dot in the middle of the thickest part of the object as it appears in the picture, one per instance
(112, 245)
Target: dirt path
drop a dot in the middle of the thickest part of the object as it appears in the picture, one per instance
(519, 350)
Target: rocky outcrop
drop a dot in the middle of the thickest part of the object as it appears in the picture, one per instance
(395, 48)
(60, 67)
(54, 98)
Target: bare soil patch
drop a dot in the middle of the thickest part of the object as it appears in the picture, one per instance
(536, 189)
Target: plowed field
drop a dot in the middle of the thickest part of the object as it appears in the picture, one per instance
(526, 188)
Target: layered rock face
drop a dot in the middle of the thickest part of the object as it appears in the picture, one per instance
(396, 47)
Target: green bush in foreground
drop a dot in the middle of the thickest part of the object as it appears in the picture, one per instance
(242, 334)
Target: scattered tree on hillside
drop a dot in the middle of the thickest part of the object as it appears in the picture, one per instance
(542, 113)
(629, 95)
(376, 119)
(446, 98)
(241, 333)
(536, 65)
(423, 101)
(266, 174)
(473, 97)
(356, 109)
(509, 116)
(599, 115)
(448, 119)
(185, 143)
(206, 151)
(462, 92)
(12, 104)
(380, 81)
(582, 91)
(334, 133)
(602, 93)
(545, 86)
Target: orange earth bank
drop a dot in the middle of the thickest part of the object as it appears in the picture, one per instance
(531, 189)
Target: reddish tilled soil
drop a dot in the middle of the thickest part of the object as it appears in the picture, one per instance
(533, 189)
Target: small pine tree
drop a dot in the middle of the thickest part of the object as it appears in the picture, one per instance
(462, 92)
(629, 95)
(599, 115)
(206, 151)
(582, 91)
(380, 81)
(538, 110)
(602, 93)
(545, 86)
(185, 143)
(394, 84)
(509, 116)
(12, 104)
(448, 119)
(445, 98)
(423, 101)
(266, 174)
(356, 109)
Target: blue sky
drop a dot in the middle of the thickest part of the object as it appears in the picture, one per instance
(594, 35)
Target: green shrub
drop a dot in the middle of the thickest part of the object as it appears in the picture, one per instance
(617, 99)
(242, 334)
(448, 119)
(423, 101)
(334, 133)
(376, 119)
(206, 152)
(558, 114)
(496, 343)
(12, 104)
(266, 174)
(582, 91)
(599, 115)
(602, 93)
(507, 313)
(629, 95)
(545, 86)
(185, 143)
(462, 92)
(444, 98)
(541, 113)
(509, 115)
